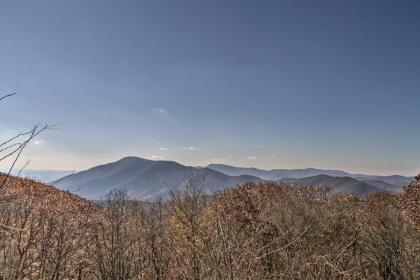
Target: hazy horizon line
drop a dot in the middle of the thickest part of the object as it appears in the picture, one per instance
(5, 169)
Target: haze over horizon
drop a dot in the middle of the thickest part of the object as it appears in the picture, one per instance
(64, 172)
(269, 85)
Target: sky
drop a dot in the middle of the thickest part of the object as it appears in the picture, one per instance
(270, 84)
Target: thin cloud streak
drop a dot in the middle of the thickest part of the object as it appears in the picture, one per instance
(192, 149)
(157, 157)
(160, 110)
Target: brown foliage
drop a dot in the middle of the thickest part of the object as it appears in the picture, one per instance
(257, 231)
(410, 201)
(42, 231)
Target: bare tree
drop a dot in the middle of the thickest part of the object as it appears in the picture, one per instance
(115, 254)
(187, 208)
(14, 146)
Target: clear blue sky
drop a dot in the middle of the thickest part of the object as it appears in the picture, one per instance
(272, 84)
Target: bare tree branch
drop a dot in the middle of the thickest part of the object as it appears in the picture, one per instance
(18, 151)
(7, 95)
(24, 166)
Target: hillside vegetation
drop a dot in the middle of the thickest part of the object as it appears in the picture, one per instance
(257, 231)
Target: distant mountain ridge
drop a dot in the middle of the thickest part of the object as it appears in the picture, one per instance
(274, 174)
(279, 174)
(150, 180)
(144, 179)
(338, 185)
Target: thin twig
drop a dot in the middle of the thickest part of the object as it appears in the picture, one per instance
(24, 166)
(34, 133)
(7, 95)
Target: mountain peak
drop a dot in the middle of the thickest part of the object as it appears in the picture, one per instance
(144, 179)
(149, 179)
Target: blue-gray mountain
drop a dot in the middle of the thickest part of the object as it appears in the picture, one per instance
(345, 185)
(274, 174)
(149, 180)
(145, 179)
(280, 174)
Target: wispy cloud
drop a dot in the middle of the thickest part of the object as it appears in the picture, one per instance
(191, 148)
(252, 158)
(39, 142)
(160, 110)
(218, 160)
(163, 149)
(156, 157)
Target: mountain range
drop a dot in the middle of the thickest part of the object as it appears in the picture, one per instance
(279, 174)
(150, 180)
(339, 185)
(145, 179)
